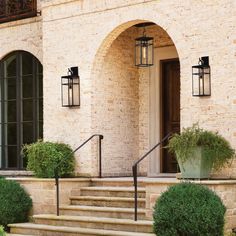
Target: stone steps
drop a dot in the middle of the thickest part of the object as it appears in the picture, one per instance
(95, 223)
(111, 212)
(106, 201)
(115, 182)
(105, 208)
(42, 230)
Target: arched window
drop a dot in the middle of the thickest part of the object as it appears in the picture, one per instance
(21, 104)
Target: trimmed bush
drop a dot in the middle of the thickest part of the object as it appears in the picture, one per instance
(44, 157)
(2, 232)
(15, 203)
(188, 209)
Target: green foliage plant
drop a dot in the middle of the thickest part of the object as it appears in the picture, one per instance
(44, 157)
(188, 209)
(15, 203)
(2, 232)
(215, 147)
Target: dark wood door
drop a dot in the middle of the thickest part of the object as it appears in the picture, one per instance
(170, 87)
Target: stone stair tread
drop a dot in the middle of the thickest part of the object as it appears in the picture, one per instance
(103, 198)
(18, 234)
(98, 208)
(113, 189)
(66, 229)
(93, 219)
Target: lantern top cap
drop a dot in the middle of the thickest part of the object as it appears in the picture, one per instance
(144, 38)
(202, 63)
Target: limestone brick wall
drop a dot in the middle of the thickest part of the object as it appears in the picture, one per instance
(24, 35)
(43, 192)
(115, 106)
(80, 33)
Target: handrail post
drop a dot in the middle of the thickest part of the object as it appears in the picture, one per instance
(57, 190)
(100, 155)
(135, 175)
(135, 193)
(56, 174)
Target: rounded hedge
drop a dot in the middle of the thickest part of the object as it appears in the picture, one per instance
(44, 157)
(189, 209)
(15, 203)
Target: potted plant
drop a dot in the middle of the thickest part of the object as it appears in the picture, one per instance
(198, 151)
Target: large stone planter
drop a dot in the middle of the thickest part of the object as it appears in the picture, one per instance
(195, 167)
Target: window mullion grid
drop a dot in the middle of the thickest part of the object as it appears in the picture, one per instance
(35, 100)
(2, 76)
(19, 108)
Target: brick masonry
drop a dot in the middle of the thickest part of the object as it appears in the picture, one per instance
(92, 35)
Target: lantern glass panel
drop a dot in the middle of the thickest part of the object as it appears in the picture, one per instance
(207, 82)
(196, 91)
(76, 92)
(137, 53)
(150, 53)
(64, 87)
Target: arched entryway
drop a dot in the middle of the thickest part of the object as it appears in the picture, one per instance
(21, 85)
(134, 107)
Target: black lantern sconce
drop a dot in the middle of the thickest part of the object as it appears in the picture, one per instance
(144, 51)
(201, 78)
(70, 88)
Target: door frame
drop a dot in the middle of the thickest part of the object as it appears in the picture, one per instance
(160, 53)
(162, 106)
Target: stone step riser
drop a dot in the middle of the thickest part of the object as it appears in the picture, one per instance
(97, 225)
(103, 203)
(38, 232)
(116, 184)
(119, 215)
(105, 193)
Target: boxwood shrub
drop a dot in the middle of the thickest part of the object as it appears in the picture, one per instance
(15, 203)
(44, 157)
(189, 209)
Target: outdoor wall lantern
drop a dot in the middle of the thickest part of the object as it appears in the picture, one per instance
(201, 78)
(70, 88)
(144, 51)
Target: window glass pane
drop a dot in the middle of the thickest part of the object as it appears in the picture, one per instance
(40, 130)
(41, 109)
(1, 161)
(27, 86)
(27, 110)
(11, 88)
(10, 110)
(11, 66)
(40, 85)
(27, 64)
(28, 132)
(12, 134)
(40, 68)
(12, 156)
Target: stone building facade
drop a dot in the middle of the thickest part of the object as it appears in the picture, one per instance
(118, 99)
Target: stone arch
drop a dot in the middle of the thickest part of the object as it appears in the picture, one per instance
(99, 60)
(36, 53)
(112, 35)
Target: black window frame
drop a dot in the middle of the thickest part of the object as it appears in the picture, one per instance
(37, 72)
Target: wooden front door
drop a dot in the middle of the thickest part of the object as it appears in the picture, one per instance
(170, 103)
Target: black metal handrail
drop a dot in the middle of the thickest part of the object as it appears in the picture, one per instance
(56, 174)
(135, 173)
